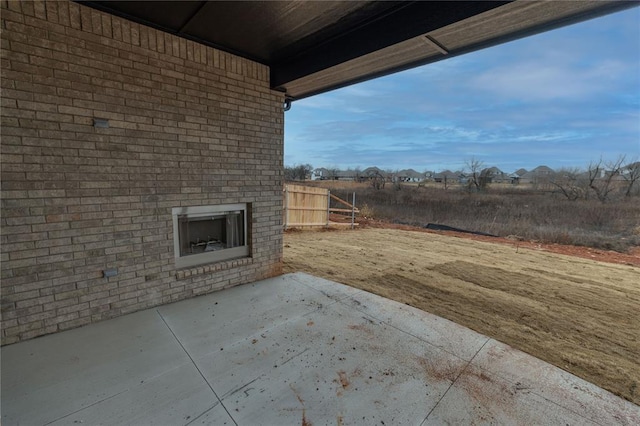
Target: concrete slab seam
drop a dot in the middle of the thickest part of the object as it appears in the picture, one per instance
(205, 412)
(453, 382)
(333, 298)
(198, 369)
(88, 406)
(559, 405)
(533, 392)
(261, 332)
(382, 321)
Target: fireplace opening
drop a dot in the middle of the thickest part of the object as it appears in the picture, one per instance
(207, 234)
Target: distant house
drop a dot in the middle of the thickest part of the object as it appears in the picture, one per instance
(630, 170)
(320, 174)
(630, 167)
(346, 175)
(327, 174)
(514, 178)
(494, 175)
(372, 173)
(539, 175)
(447, 176)
(409, 175)
(528, 177)
(520, 172)
(543, 171)
(616, 175)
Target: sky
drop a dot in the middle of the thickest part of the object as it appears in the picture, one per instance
(563, 98)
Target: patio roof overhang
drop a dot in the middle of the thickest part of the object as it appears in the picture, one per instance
(316, 46)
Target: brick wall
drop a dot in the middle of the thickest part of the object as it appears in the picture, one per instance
(188, 125)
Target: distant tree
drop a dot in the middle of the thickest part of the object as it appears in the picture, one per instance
(389, 175)
(351, 174)
(631, 175)
(601, 176)
(288, 173)
(377, 179)
(332, 173)
(570, 182)
(477, 176)
(357, 174)
(304, 171)
(427, 177)
(298, 172)
(396, 179)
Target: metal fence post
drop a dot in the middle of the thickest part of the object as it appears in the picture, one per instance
(353, 210)
(328, 205)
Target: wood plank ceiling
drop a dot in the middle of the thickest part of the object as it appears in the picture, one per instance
(316, 46)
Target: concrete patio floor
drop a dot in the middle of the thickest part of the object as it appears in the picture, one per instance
(290, 350)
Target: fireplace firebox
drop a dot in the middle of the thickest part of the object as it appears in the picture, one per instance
(208, 234)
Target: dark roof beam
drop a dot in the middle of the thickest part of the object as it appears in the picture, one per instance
(190, 18)
(378, 34)
(605, 7)
(433, 43)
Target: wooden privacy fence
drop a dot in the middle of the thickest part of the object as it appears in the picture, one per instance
(308, 206)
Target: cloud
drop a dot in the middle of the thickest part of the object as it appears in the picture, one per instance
(549, 137)
(563, 97)
(534, 81)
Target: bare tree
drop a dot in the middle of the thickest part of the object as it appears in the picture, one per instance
(601, 177)
(570, 182)
(304, 171)
(389, 175)
(631, 175)
(332, 173)
(297, 172)
(396, 179)
(478, 180)
(357, 174)
(427, 177)
(377, 179)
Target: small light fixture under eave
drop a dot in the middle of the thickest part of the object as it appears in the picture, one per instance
(433, 43)
(101, 123)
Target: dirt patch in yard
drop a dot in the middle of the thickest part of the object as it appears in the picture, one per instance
(578, 314)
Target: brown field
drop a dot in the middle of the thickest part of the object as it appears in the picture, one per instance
(526, 211)
(578, 314)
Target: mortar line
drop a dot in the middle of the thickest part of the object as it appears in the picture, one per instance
(197, 368)
(454, 381)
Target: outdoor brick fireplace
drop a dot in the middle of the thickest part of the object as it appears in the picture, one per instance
(138, 168)
(207, 234)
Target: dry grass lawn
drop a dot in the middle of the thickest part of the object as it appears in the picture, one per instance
(578, 314)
